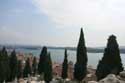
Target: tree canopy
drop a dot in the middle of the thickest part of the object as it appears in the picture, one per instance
(111, 60)
(80, 69)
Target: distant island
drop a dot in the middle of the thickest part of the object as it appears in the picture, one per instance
(89, 49)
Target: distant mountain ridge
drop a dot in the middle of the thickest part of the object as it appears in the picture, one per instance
(89, 49)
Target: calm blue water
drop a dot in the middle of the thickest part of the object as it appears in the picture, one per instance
(57, 55)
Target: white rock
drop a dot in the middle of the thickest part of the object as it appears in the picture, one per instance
(33, 82)
(42, 81)
(54, 81)
(89, 75)
(92, 82)
(111, 78)
(122, 74)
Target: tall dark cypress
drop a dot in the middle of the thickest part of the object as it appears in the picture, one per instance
(13, 66)
(111, 60)
(48, 69)
(27, 69)
(80, 69)
(19, 69)
(34, 66)
(1, 68)
(5, 65)
(65, 66)
(42, 60)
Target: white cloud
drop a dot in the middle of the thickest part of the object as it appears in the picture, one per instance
(100, 17)
(97, 13)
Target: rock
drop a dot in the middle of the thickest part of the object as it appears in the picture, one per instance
(33, 81)
(33, 78)
(42, 82)
(89, 75)
(122, 74)
(111, 78)
(92, 82)
(54, 81)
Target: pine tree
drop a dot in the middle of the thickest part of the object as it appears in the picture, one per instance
(48, 69)
(42, 60)
(34, 66)
(80, 69)
(13, 66)
(111, 61)
(65, 66)
(27, 69)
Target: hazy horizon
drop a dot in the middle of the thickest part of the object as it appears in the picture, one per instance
(58, 22)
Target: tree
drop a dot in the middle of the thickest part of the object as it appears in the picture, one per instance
(1, 68)
(45, 65)
(34, 66)
(80, 69)
(65, 66)
(13, 66)
(19, 69)
(4, 63)
(111, 60)
(48, 69)
(27, 69)
(42, 60)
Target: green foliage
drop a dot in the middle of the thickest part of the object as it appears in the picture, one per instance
(13, 66)
(111, 61)
(27, 70)
(19, 70)
(65, 66)
(48, 69)
(45, 65)
(4, 65)
(81, 63)
(42, 60)
(80, 72)
(1, 68)
(34, 66)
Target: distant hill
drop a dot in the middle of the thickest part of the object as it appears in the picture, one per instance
(89, 49)
(98, 49)
(21, 46)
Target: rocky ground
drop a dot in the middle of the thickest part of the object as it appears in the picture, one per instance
(111, 78)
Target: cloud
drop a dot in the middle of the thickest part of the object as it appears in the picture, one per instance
(100, 18)
(97, 13)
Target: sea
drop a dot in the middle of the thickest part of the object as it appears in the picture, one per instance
(57, 55)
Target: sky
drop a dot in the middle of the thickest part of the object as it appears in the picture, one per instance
(58, 22)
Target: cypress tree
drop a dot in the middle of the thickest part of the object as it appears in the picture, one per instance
(65, 66)
(111, 60)
(27, 69)
(1, 68)
(45, 65)
(80, 69)
(19, 70)
(5, 65)
(13, 66)
(34, 66)
(42, 60)
(48, 69)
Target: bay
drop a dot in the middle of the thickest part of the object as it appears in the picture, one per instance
(57, 55)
